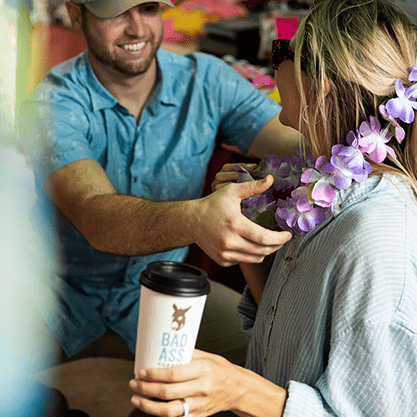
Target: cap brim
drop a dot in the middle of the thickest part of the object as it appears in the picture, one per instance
(112, 8)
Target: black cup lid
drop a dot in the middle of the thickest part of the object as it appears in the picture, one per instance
(175, 278)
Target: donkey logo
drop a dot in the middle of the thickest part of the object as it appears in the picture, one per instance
(178, 318)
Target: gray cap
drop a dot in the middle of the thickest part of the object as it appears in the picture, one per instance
(106, 9)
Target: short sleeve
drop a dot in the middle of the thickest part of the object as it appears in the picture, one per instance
(243, 109)
(60, 131)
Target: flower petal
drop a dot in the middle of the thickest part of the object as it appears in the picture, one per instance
(413, 74)
(375, 125)
(340, 181)
(395, 107)
(399, 88)
(365, 128)
(310, 175)
(307, 222)
(323, 194)
(391, 151)
(378, 154)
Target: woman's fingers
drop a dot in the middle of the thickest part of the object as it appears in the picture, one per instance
(158, 408)
(202, 383)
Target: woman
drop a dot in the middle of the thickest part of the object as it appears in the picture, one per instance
(334, 327)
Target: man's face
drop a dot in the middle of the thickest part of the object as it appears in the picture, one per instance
(128, 42)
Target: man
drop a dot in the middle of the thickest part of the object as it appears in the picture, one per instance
(128, 131)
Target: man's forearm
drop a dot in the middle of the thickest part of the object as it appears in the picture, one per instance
(133, 226)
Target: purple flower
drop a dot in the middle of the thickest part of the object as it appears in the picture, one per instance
(278, 169)
(404, 105)
(412, 91)
(283, 209)
(286, 172)
(298, 214)
(250, 212)
(271, 164)
(399, 131)
(323, 192)
(353, 139)
(245, 175)
(373, 140)
(413, 74)
(350, 165)
(252, 207)
(306, 159)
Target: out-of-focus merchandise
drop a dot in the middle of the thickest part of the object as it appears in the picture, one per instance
(185, 23)
(245, 43)
(259, 76)
(279, 21)
(250, 38)
(236, 37)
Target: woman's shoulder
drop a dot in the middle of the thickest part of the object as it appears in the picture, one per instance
(383, 208)
(373, 262)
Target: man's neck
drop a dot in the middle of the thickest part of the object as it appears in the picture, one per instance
(131, 92)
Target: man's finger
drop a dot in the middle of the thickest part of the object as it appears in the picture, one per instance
(252, 188)
(259, 237)
(231, 167)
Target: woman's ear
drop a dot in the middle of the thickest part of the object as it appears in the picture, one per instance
(74, 13)
(327, 86)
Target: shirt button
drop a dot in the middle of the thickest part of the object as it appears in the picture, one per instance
(272, 310)
(133, 263)
(264, 361)
(289, 260)
(337, 207)
(135, 179)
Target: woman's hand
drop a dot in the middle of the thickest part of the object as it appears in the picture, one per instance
(209, 384)
(228, 174)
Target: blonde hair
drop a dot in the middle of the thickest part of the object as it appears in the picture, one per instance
(363, 47)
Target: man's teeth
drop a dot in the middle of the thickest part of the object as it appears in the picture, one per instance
(135, 47)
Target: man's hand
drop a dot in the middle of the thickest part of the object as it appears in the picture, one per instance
(225, 234)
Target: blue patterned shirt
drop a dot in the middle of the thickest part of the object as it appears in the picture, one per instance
(163, 157)
(337, 322)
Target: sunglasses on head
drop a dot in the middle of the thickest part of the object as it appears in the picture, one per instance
(281, 53)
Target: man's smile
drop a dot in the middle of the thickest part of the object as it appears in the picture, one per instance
(136, 47)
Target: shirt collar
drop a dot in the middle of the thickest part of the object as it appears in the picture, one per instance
(355, 193)
(344, 199)
(163, 93)
(100, 97)
(168, 65)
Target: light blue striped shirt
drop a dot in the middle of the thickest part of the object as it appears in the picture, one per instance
(337, 322)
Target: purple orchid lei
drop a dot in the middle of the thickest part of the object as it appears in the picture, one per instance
(314, 183)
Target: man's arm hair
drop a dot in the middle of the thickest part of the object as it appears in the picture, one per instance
(133, 226)
(116, 223)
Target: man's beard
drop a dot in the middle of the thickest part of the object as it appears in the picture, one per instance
(103, 55)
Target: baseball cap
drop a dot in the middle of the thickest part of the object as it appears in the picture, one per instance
(106, 9)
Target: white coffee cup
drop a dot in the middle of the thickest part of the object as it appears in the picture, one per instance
(172, 301)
